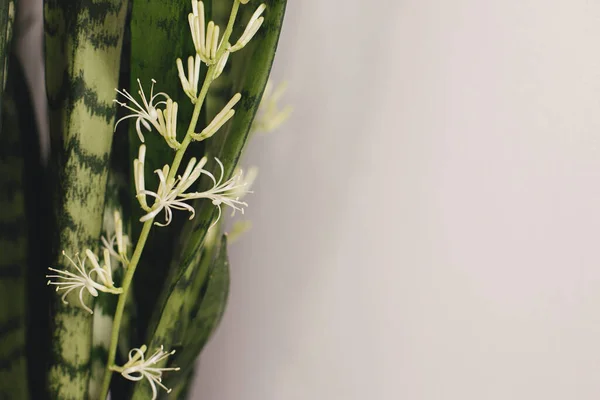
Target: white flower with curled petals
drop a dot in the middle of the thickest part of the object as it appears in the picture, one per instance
(146, 113)
(82, 280)
(166, 197)
(171, 194)
(226, 193)
(138, 368)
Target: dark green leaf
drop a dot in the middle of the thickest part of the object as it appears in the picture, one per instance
(248, 74)
(191, 313)
(159, 35)
(13, 251)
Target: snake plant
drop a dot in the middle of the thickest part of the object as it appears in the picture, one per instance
(114, 271)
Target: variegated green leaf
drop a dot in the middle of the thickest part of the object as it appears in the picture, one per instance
(106, 303)
(7, 17)
(13, 253)
(191, 313)
(83, 48)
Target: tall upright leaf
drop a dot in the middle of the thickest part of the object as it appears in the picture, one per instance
(83, 47)
(248, 75)
(7, 17)
(13, 251)
(191, 313)
(106, 303)
(159, 35)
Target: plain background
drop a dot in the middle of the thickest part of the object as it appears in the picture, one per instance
(426, 226)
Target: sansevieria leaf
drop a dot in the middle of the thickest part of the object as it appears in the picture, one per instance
(83, 49)
(191, 313)
(159, 35)
(248, 76)
(7, 17)
(13, 250)
(250, 69)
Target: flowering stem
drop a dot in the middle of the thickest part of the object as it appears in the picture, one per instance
(112, 351)
(203, 91)
(114, 336)
(188, 136)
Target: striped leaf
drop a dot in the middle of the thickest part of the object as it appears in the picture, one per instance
(7, 17)
(208, 298)
(191, 313)
(83, 48)
(106, 303)
(13, 251)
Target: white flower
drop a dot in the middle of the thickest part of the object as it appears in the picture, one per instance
(139, 179)
(138, 368)
(206, 40)
(221, 65)
(247, 179)
(167, 124)
(171, 194)
(166, 197)
(251, 28)
(145, 113)
(270, 116)
(226, 193)
(68, 281)
(219, 120)
(118, 238)
(189, 83)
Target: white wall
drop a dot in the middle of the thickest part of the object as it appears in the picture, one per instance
(427, 225)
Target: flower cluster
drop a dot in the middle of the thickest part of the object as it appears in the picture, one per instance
(171, 194)
(175, 191)
(206, 36)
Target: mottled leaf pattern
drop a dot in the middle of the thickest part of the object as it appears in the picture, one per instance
(13, 253)
(83, 49)
(191, 313)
